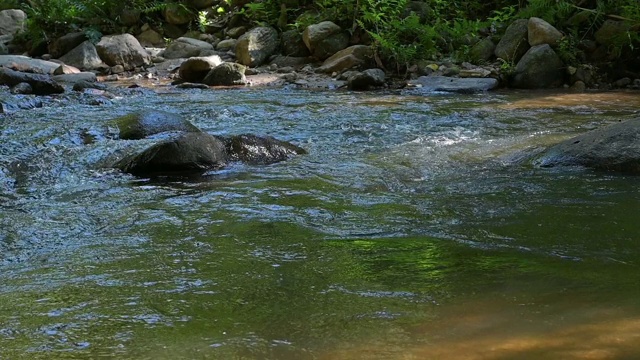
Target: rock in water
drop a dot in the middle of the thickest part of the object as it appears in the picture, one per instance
(41, 84)
(145, 123)
(226, 74)
(187, 154)
(258, 150)
(615, 147)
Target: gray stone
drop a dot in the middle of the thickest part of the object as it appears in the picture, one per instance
(12, 21)
(255, 47)
(540, 32)
(22, 88)
(122, 50)
(539, 68)
(66, 43)
(331, 45)
(366, 79)
(347, 58)
(514, 42)
(185, 47)
(187, 154)
(615, 147)
(84, 56)
(226, 45)
(428, 84)
(41, 84)
(195, 69)
(226, 74)
(236, 32)
(66, 69)
(25, 63)
(150, 38)
(314, 34)
(257, 150)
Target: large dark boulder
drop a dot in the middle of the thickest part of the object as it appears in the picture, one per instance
(366, 79)
(615, 147)
(145, 123)
(258, 150)
(66, 43)
(539, 68)
(186, 154)
(41, 84)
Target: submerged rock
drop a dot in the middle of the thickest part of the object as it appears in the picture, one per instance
(428, 84)
(186, 154)
(615, 147)
(149, 122)
(258, 150)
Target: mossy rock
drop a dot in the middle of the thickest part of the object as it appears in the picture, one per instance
(142, 124)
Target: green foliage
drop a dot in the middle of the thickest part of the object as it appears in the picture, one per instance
(9, 4)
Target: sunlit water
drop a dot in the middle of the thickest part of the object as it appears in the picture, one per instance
(416, 228)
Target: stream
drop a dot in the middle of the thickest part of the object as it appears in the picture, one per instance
(415, 228)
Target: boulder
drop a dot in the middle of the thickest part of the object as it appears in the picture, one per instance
(347, 58)
(27, 64)
(185, 47)
(539, 68)
(12, 21)
(293, 45)
(316, 33)
(255, 46)
(366, 79)
(331, 45)
(142, 124)
(66, 69)
(226, 74)
(611, 32)
(515, 42)
(540, 32)
(226, 45)
(122, 50)
(41, 84)
(186, 154)
(615, 147)
(66, 43)
(236, 32)
(196, 68)
(428, 84)
(150, 38)
(483, 50)
(84, 56)
(22, 89)
(258, 150)
(177, 14)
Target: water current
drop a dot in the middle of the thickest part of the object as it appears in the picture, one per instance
(415, 228)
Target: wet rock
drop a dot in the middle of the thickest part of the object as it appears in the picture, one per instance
(75, 78)
(428, 84)
(226, 74)
(22, 88)
(41, 84)
(366, 79)
(347, 58)
(185, 47)
(12, 21)
(539, 68)
(255, 47)
(540, 32)
(142, 124)
(66, 43)
(514, 42)
(186, 154)
(293, 45)
(196, 69)
(615, 147)
(122, 50)
(27, 64)
(258, 150)
(84, 56)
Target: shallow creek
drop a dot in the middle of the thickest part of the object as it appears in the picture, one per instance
(414, 229)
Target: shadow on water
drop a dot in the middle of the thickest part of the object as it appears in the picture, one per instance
(415, 228)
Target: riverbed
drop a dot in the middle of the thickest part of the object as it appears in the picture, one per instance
(415, 228)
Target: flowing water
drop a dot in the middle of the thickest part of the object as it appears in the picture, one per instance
(414, 229)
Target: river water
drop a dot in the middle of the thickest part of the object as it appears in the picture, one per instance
(414, 229)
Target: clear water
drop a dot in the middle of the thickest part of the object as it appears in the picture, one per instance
(414, 229)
